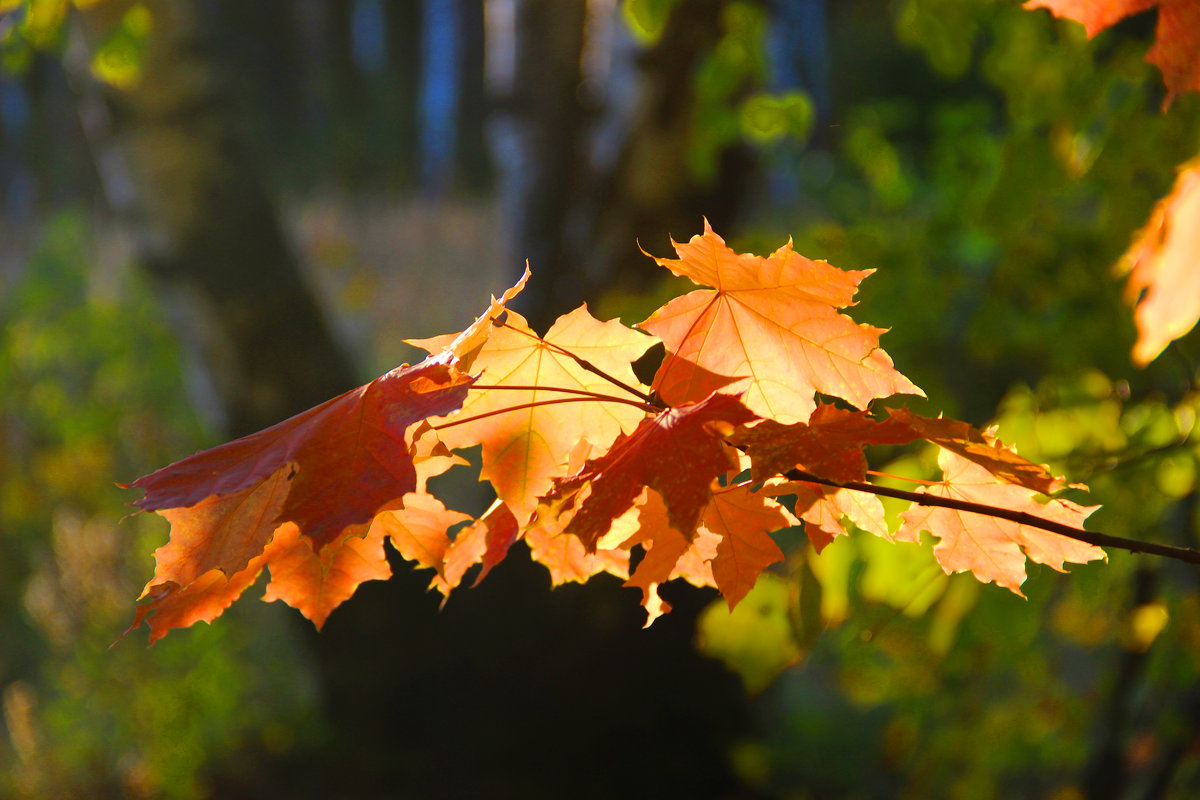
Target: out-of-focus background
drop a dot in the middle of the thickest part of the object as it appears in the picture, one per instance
(216, 213)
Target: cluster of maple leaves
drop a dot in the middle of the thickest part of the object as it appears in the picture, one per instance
(765, 393)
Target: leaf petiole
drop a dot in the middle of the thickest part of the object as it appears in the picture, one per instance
(587, 399)
(587, 365)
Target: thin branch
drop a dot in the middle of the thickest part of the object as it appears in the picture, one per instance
(587, 365)
(1113, 461)
(644, 406)
(1020, 517)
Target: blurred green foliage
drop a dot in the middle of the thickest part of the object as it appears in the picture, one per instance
(647, 18)
(994, 211)
(993, 206)
(93, 389)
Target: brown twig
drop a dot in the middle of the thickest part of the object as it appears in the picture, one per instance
(1020, 517)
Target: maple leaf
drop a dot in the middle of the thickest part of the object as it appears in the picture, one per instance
(656, 567)
(565, 556)
(339, 463)
(171, 605)
(823, 507)
(669, 554)
(1164, 283)
(981, 447)
(485, 542)
(569, 561)
(829, 445)
(328, 470)
(742, 519)
(678, 454)
(773, 324)
(418, 531)
(729, 550)
(464, 347)
(316, 582)
(525, 448)
(1176, 50)
(991, 548)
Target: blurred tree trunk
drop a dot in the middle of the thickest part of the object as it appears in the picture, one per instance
(650, 191)
(579, 205)
(513, 691)
(262, 37)
(402, 33)
(474, 166)
(539, 124)
(346, 93)
(211, 235)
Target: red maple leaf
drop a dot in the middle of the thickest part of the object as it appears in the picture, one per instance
(328, 471)
(829, 445)
(1176, 50)
(981, 447)
(339, 463)
(678, 454)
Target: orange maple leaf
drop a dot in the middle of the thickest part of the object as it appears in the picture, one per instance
(1164, 282)
(773, 324)
(315, 583)
(565, 556)
(171, 605)
(464, 347)
(418, 531)
(524, 449)
(823, 507)
(484, 542)
(991, 548)
(669, 554)
(729, 549)
(656, 568)
(1176, 50)
(742, 519)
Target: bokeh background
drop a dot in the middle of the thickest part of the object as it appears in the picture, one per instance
(216, 213)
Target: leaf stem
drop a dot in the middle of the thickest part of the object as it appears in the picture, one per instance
(644, 406)
(561, 390)
(587, 365)
(1020, 517)
(879, 474)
